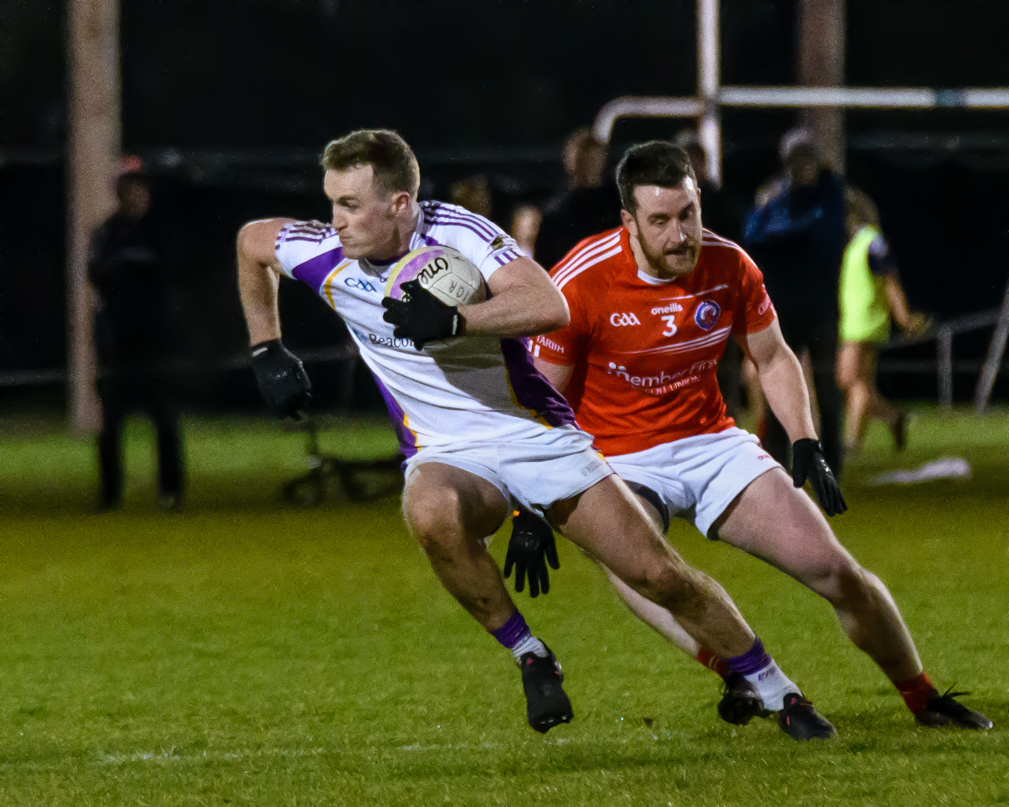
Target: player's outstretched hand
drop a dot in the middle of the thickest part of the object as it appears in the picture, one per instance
(530, 548)
(282, 379)
(421, 316)
(808, 463)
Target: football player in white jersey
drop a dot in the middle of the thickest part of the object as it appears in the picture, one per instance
(479, 425)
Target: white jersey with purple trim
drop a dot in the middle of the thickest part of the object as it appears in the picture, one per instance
(469, 389)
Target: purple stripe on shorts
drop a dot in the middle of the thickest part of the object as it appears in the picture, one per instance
(531, 389)
(313, 272)
(407, 441)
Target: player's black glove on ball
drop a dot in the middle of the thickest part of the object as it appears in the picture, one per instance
(530, 548)
(421, 316)
(808, 463)
(282, 379)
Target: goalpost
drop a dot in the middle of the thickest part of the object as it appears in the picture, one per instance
(712, 96)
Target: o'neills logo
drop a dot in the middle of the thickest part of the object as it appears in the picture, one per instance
(667, 309)
(427, 275)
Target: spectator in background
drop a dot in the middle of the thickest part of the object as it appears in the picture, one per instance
(798, 236)
(473, 193)
(526, 221)
(870, 297)
(723, 212)
(589, 204)
(135, 316)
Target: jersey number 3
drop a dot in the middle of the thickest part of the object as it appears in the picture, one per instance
(670, 325)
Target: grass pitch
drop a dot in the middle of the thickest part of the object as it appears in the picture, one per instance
(247, 652)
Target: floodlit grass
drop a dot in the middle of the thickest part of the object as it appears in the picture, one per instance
(247, 652)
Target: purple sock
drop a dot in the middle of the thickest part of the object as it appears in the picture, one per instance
(751, 661)
(513, 631)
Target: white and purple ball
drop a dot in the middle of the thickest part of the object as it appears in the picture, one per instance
(443, 271)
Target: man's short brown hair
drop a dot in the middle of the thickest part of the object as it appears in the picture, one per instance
(657, 162)
(390, 156)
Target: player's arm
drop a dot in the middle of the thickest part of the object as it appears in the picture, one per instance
(523, 302)
(782, 380)
(785, 387)
(280, 374)
(882, 266)
(259, 277)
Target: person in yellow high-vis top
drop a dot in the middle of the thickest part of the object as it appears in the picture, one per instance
(870, 298)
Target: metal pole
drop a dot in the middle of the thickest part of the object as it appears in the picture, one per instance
(993, 360)
(944, 365)
(631, 106)
(709, 128)
(821, 63)
(865, 97)
(93, 147)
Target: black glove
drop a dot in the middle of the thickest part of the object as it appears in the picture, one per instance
(808, 462)
(282, 379)
(421, 316)
(530, 548)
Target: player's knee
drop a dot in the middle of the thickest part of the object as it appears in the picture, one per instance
(434, 520)
(840, 580)
(670, 585)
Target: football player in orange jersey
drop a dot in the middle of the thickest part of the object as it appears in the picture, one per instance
(652, 305)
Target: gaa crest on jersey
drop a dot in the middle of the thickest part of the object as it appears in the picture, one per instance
(706, 315)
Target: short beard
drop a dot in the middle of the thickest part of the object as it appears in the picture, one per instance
(659, 265)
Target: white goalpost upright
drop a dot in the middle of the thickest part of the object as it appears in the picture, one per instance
(711, 97)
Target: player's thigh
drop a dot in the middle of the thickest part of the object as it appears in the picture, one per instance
(868, 356)
(779, 523)
(443, 502)
(849, 361)
(609, 523)
(651, 502)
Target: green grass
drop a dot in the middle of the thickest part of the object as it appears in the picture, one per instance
(247, 652)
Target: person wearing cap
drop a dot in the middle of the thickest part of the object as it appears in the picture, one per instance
(797, 233)
(132, 279)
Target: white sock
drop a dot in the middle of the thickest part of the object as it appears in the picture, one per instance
(773, 685)
(530, 644)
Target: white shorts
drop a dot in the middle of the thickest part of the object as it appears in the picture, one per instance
(537, 468)
(697, 478)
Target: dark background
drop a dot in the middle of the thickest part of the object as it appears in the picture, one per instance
(230, 102)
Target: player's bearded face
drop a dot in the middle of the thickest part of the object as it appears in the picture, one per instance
(667, 228)
(364, 216)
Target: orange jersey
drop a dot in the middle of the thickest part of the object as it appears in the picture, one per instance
(645, 351)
